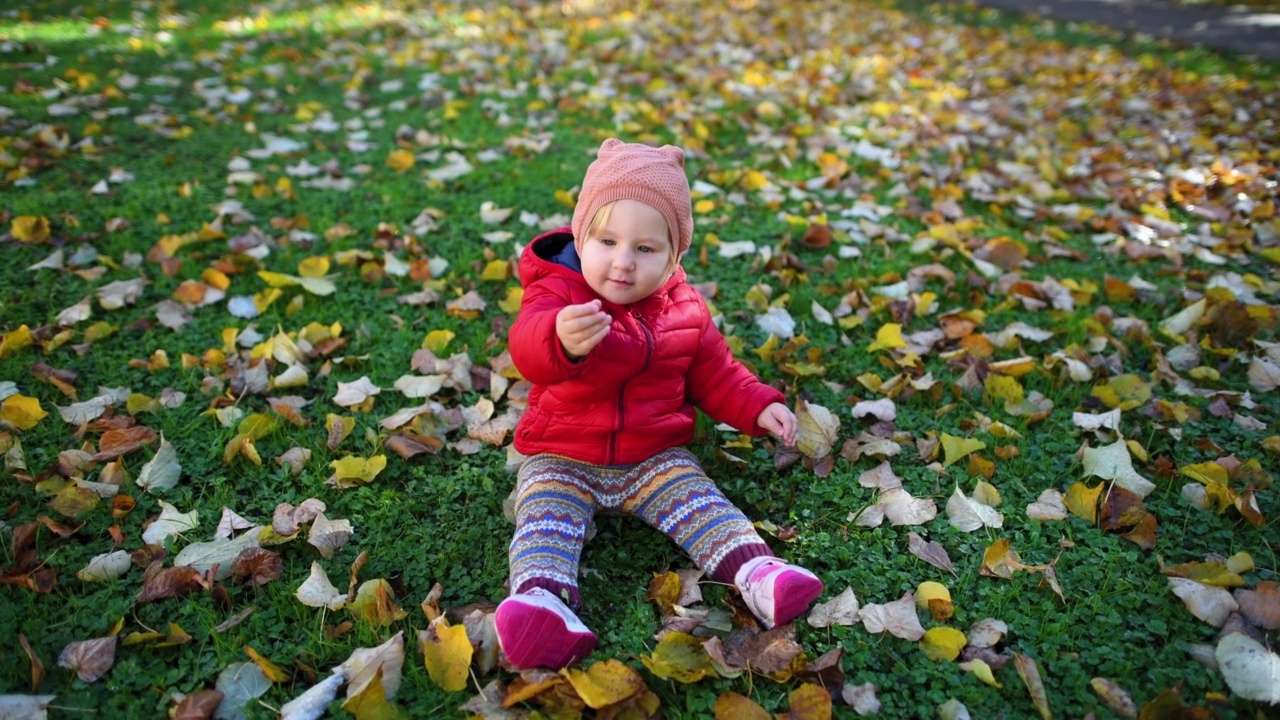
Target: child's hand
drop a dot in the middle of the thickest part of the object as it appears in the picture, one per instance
(779, 420)
(581, 327)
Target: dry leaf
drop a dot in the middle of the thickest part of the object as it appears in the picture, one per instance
(930, 552)
(898, 618)
(840, 610)
(90, 659)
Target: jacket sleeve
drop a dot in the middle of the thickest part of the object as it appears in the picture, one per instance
(724, 388)
(535, 348)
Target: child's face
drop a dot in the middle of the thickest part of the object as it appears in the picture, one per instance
(630, 257)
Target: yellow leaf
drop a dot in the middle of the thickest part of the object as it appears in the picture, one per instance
(511, 303)
(400, 160)
(809, 702)
(277, 280)
(274, 672)
(664, 590)
(30, 228)
(350, 471)
(817, 429)
(954, 449)
(14, 341)
(496, 270)
(1123, 391)
(943, 643)
(447, 652)
(565, 198)
(344, 427)
(371, 702)
(679, 657)
(604, 683)
(1241, 562)
(437, 340)
(754, 180)
(936, 598)
(375, 603)
(241, 444)
(732, 706)
(1082, 501)
(257, 425)
(21, 411)
(1205, 473)
(1002, 388)
(889, 336)
(314, 266)
(982, 671)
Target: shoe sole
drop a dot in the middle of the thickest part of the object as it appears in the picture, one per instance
(558, 644)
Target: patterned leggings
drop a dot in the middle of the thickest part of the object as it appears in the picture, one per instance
(557, 496)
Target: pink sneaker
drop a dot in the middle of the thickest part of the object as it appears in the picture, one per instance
(536, 629)
(776, 591)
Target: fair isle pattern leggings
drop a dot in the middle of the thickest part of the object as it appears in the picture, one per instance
(557, 496)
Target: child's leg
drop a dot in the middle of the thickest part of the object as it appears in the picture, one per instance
(536, 625)
(671, 492)
(554, 505)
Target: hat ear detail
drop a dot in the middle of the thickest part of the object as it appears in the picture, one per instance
(610, 145)
(674, 153)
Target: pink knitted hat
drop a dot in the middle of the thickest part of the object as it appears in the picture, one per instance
(630, 171)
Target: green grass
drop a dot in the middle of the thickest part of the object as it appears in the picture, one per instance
(900, 76)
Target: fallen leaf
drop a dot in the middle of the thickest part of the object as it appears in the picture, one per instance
(447, 652)
(197, 706)
(375, 603)
(90, 659)
(930, 552)
(604, 683)
(328, 536)
(1114, 697)
(240, 683)
(313, 703)
(678, 656)
(317, 591)
(840, 610)
(1251, 671)
(162, 471)
(362, 665)
(1029, 671)
(898, 618)
(982, 671)
(1261, 605)
(816, 429)
(862, 698)
(1113, 462)
(943, 643)
(968, 514)
(732, 706)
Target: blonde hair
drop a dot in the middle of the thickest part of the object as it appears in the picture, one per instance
(596, 227)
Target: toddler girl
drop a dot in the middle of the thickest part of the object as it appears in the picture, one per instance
(620, 350)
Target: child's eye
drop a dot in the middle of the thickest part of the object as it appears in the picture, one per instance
(606, 241)
(646, 249)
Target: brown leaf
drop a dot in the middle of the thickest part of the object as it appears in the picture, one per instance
(408, 444)
(1121, 509)
(160, 583)
(257, 566)
(58, 528)
(664, 590)
(197, 705)
(1030, 674)
(930, 552)
(91, 659)
(37, 666)
(826, 671)
(1144, 534)
(122, 505)
(732, 706)
(115, 443)
(1261, 605)
(809, 702)
(770, 652)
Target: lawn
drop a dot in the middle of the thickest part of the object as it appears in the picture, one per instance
(1020, 281)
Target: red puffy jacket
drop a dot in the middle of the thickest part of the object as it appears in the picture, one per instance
(634, 394)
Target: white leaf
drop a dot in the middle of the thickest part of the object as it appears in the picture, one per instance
(229, 523)
(313, 703)
(162, 471)
(239, 683)
(204, 555)
(242, 306)
(293, 376)
(419, 386)
(318, 591)
(1180, 323)
(171, 522)
(116, 295)
(491, 214)
(900, 508)
(862, 698)
(882, 409)
(898, 618)
(953, 709)
(79, 312)
(881, 477)
(354, 393)
(734, 249)
(840, 610)
(821, 314)
(1090, 421)
(1048, 506)
(329, 535)
(82, 412)
(108, 566)
(394, 266)
(967, 514)
(1113, 462)
(53, 262)
(1250, 670)
(1211, 604)
(363, 664)
(777, 321)
(1264, 376)
(25, 707)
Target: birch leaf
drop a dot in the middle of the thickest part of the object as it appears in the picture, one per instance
(317, 591)
(162, 471)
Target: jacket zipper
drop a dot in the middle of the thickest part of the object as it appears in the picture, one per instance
(622, 408)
